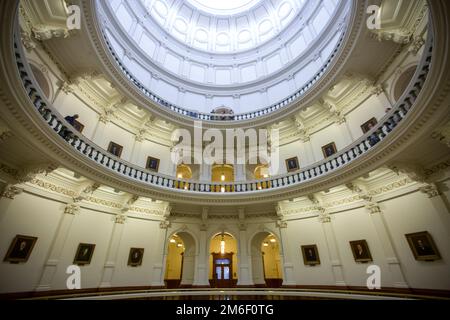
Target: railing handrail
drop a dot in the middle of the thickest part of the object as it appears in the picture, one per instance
(84, 146)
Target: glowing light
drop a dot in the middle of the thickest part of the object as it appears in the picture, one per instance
(180, 176)
(222, 189)
(222, 177)
(273, 240)
(265, 244)
(222, 245)
(173, 241)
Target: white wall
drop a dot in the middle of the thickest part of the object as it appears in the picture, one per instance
(34, 215)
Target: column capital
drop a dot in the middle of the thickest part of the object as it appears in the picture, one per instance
(324, 216)
(120, 219)
(373, 208)
(10, 192)
(165, 224)
(282, 224)
(72, 209)
(431, 190)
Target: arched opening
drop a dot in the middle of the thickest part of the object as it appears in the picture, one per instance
(222, 173)
(403, 81)
(266, 261)
(262, 172)
(41, 80)
(180, 261)
(184, 172)
(223, 261)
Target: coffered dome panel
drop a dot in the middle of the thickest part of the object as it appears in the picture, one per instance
(248, 55)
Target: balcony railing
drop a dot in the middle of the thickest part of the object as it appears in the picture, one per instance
(89, 149)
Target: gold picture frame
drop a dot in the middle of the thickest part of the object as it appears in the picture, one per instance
(423, 246)
(152, 164)
(292, 164)
(84, 254)
(115, 149)
(310, 255)
(368, 125)
(361, 251)
(329, 150)
(20, 249)
(135, 257)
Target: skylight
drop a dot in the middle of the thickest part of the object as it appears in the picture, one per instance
(224, 7)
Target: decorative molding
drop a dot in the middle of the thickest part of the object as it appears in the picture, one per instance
(72, 208)
(431, 190)
(10, 192)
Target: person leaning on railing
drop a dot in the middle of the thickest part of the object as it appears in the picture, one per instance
(65, 132)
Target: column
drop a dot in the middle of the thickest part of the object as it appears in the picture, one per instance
(202, 261)
(440, 206)
(205, 172)
(288, 267)
(57, 247)
(99, 130)
(239, 172)
(336, 265)
(137, 147)
(160, 254)
(111, 258)
(244, 275)
(381, 228)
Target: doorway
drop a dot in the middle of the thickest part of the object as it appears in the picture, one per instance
(223, 261)
(180, 261)
(266, 261)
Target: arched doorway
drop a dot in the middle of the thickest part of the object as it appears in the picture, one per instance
(184, 172)
(223, 261)
(180, 261)
(222, 173)
(266, 261)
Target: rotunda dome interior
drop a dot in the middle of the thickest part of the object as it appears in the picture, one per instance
(215, 145)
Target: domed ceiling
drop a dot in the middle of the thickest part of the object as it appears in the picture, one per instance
(243, 54)
(223, 26)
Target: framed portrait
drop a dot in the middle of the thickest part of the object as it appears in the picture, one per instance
(310, 255)
(115, 149)
(135, 257)
(84, 254)
(329, 150)
(20, 249)
(292, 164)
(78, 126)
(423, 246)
(152, 164)
(361, 252)
(367, 126)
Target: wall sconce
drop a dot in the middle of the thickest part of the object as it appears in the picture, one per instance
(222, 245)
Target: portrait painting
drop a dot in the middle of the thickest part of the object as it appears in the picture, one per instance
(361, 252)
(115, 149)
(310, 255)
(20, 249)
(84, 254)
(152, 164)
(329, 150)
(292, 164)
(78, 126)
(367, 126)
(135, 257)
(423, 246)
